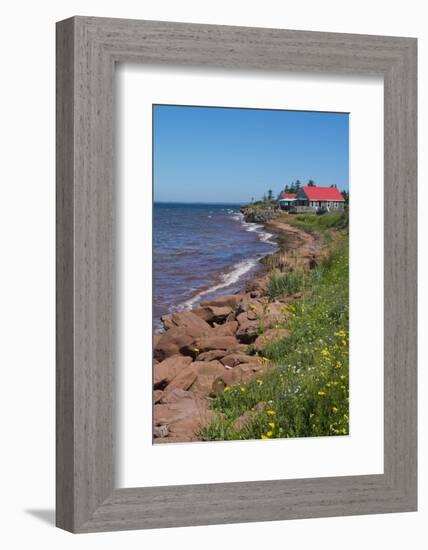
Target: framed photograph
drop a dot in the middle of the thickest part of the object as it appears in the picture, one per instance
(236, 274)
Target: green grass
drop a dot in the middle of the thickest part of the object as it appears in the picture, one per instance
(306, 393)
(262, 204)
(314, 222)
(286, 283)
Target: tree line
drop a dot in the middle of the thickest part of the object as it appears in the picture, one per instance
(294, 188)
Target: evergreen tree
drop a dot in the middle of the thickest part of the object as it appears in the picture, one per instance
(345, 195)
(311, 183)
(270, 195)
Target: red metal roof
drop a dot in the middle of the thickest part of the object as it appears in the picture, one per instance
(288, 195)
(323, 193)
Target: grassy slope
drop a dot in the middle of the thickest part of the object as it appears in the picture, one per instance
(307, 393)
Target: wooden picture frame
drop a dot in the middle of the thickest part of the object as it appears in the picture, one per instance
(87, 50)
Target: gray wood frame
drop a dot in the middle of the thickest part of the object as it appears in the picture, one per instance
(87, 50)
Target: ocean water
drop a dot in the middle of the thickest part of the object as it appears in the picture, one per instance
(202, 251)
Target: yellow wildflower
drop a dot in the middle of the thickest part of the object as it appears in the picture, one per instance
(270, 412)
(321, 393)
(196, 350)
(243, 389)
(334, 409)
(264, 437)
(227, 388)
(259, 382)
(269, 434)
(271, 425)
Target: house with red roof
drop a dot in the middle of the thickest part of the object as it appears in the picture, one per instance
(310, 198)
(287, 200)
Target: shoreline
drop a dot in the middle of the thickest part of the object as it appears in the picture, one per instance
(205, 348)
(234, 278)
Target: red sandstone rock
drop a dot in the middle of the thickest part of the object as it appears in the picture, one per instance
(173, 340)
(247, 329)
(212, 355)
(188, 319)
(275, 312)
(244, 420)
(185, 319)
(167, 414)
(237, 358)
(257, 285)
(254, 309)
(245, 372)
(191, 425)
(230, 317)
(227, 329)
(160, 431)
(174, 395)
(184, 418)
(167, 321)
(219, 313)
(184, 379)
(209, 343)
(203, 313)
(157, 395)
(269, 336)
(207, 375)
(165, 371)
(230, 300)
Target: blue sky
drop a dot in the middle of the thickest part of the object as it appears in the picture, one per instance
(204, 154)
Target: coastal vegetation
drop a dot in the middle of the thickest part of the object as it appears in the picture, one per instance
(319, 223)
(305, 393)
(270, 361)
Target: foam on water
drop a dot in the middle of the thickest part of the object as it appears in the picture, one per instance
(227, 279)
(199, 255)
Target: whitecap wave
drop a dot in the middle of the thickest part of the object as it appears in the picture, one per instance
(250, 227)
(226, 280)
(258, 228)
(263, 235)
(266, 237)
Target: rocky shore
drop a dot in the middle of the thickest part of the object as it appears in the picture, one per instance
(206, 349)
(260, 215)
